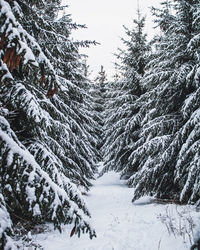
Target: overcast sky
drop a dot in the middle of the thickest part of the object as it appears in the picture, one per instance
(104, 20)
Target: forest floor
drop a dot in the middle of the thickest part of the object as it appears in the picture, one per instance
(123, 225)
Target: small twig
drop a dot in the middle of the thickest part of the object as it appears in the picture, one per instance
(159, 243)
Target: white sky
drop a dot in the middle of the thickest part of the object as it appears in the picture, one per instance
(104, 20)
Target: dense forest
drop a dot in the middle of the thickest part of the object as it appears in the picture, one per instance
(56, 124)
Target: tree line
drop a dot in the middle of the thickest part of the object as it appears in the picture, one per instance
(152, 115)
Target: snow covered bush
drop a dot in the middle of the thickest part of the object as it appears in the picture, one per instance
(179, 224)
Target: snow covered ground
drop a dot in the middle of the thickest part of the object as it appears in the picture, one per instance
(122, 225)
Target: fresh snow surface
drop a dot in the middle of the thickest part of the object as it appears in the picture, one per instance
(123, 225)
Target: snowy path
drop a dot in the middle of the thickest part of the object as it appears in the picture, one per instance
(119, 224)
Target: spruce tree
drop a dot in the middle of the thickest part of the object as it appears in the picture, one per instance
(98, 92)
(122, 123)
(188, 138)
(158, 115)
(100, 83)
(156, 148)
(46, 147)
(157, 157)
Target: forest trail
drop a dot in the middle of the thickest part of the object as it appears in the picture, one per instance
(119, 224)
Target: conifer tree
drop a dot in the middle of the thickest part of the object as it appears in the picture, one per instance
(158, 116)
(66, 60)
(100, 84)
(98, 91)
(160, 155)
(122, 122)
(46, 147)
(188, 137)
(157, 157)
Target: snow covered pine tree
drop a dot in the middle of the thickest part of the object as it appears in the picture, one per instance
(153, 135)
(45, 143)
(122, 117)
(98, 91)
(165, 159)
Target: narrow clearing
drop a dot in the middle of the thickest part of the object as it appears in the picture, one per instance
(121, 225)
